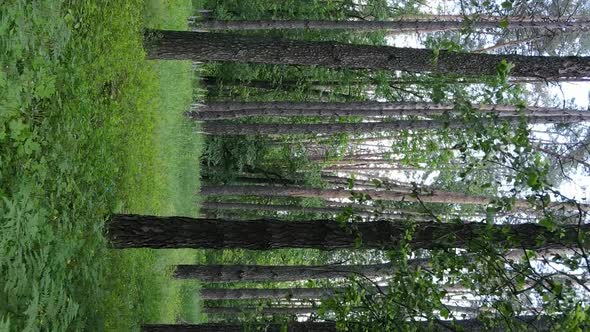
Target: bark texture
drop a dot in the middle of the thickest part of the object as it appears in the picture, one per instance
(526, 323)
(210, 46)
(268, 293)
(139, 231)
(213, 327)
(301, 209)
(260, 273)
(366, 105)
(401, 194)
(204, 115)
(437, 23)
(236, 110)
(216, 128)
(267, 311)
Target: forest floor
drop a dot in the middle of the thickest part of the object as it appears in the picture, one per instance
(89, 127)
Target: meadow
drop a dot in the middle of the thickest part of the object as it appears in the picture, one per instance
(88, 127)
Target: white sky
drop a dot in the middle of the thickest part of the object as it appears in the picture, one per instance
(577, 92)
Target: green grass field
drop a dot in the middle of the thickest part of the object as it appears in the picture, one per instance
(89, 127)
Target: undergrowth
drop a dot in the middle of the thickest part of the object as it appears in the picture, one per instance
(81, 125)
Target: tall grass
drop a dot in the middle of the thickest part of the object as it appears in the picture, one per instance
(84, 133)
(176, 149)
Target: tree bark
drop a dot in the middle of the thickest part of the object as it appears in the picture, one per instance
(362, 207)
(211, 81)
(216, 128)
(262, 273)
(210, 46)
(406, 108)
(510, 43)
(214, 327)
(266, 311)
(298, 310)
(526, 323)
(237, 110)
(302, 209)
(138, 231)
(398, 194)
(436, 23)
(269, 293)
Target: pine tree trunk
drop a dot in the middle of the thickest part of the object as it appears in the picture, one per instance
(209, 46)
(397, 194)
(268, 293)
(137, 231)
(299, 310)
(356, 206)
(404, 108)
(269, 207)
(437, 23)
(216, 128)
(262, 273)
(261, 180)
(318, 106)
(302, 209)
(211, 81)
(266, 311)
(232, 110)
(220, 327)
(526, 323)
(510, 43)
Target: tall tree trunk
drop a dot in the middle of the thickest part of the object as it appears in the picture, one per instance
(245, 178)
(378, 168)
(300, 310)
(526, 323)
(215, 128)
(269, 207)
(236, 110)
(401, 194)
(302, 209)
(209, 46)
(211, 81)
(510, 43)
(265, 311)
(269, 293)
(362, 207)
(406, 108)
(300, 293)
(262, 273)
(437, 23)
(220, 327)
(212, 84)
(137, 231)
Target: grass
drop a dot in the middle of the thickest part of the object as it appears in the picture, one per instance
(88, 127)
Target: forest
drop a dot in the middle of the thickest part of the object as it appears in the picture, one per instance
(294, 165)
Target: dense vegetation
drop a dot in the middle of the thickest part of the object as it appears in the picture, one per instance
(89, 127)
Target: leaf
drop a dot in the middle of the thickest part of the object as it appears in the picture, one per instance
(490, 214)
(358, 241)
(533, 180)
(2, 132)
(444, 312)
(504, 23)
(17, 128)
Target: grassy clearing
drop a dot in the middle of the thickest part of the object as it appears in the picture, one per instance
(83, 132)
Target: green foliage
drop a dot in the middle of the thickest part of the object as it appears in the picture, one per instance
(78, 137)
